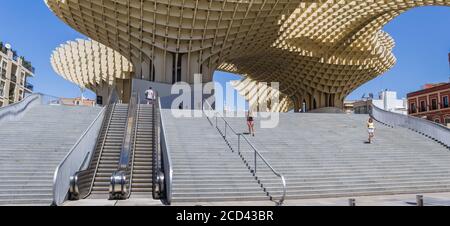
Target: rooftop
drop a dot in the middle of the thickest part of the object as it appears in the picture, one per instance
(27, 64)
(430, 88)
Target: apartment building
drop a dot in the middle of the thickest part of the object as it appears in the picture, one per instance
(14, 74)
(432, 103)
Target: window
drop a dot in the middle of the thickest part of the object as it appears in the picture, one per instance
(434, 104)
(12, 92)
(14, 73)
(2, 88)
(22, 78)
(445, 102)
(423, 106)
(3, 66)
(413, 108)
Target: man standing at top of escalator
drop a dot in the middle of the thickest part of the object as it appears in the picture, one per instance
(150, 95)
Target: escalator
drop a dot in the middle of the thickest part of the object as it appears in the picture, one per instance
(95, 180)
(109, 152)
(124, 160)
(142, 163)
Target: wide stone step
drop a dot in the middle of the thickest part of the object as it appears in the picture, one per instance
(217, 197)
(391, 190)
(30, 191)
(27, 202)
(347, 174)
(360, 185)
(13, 197)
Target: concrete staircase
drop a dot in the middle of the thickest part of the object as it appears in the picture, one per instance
(32, 148)
(205, 169)
(326, 155)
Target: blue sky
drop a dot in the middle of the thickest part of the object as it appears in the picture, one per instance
(422, 36)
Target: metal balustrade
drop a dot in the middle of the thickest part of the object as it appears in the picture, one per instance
(16, 110)
(428, 128)
(252, 157)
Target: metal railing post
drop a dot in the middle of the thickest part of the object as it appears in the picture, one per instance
(419, 200)
(255, 162)
(257, 154)
(225, 135)
(239, 143)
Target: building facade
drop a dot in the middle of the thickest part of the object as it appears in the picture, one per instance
(387, 100)
(14, 74)
(318, 51)
(349, 106)
(79, 101)
(432, 103)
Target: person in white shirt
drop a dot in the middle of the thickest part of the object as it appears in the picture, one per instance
(150, 95)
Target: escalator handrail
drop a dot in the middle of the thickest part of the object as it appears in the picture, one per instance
(127, 143)
(113, 107)
(119, 181)
(156, 143)
(167, 167)
(133, 155)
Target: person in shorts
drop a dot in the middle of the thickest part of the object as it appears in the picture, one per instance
(371, 129)
(251, 123)
(150, 95)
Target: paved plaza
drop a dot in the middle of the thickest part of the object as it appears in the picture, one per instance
(432, 199)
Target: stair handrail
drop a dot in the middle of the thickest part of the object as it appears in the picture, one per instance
(431, 129)
(257, 154)
(166, 167)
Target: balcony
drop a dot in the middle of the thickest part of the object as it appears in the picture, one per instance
(27, 64)
(15, 57)
(29, 86)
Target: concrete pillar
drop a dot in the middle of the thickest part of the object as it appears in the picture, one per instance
(103, 90)
(163, 73)
(185, 74)
(323, 100)
(145, 67)
(308, 101)
(137, 69)
(297, 104)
